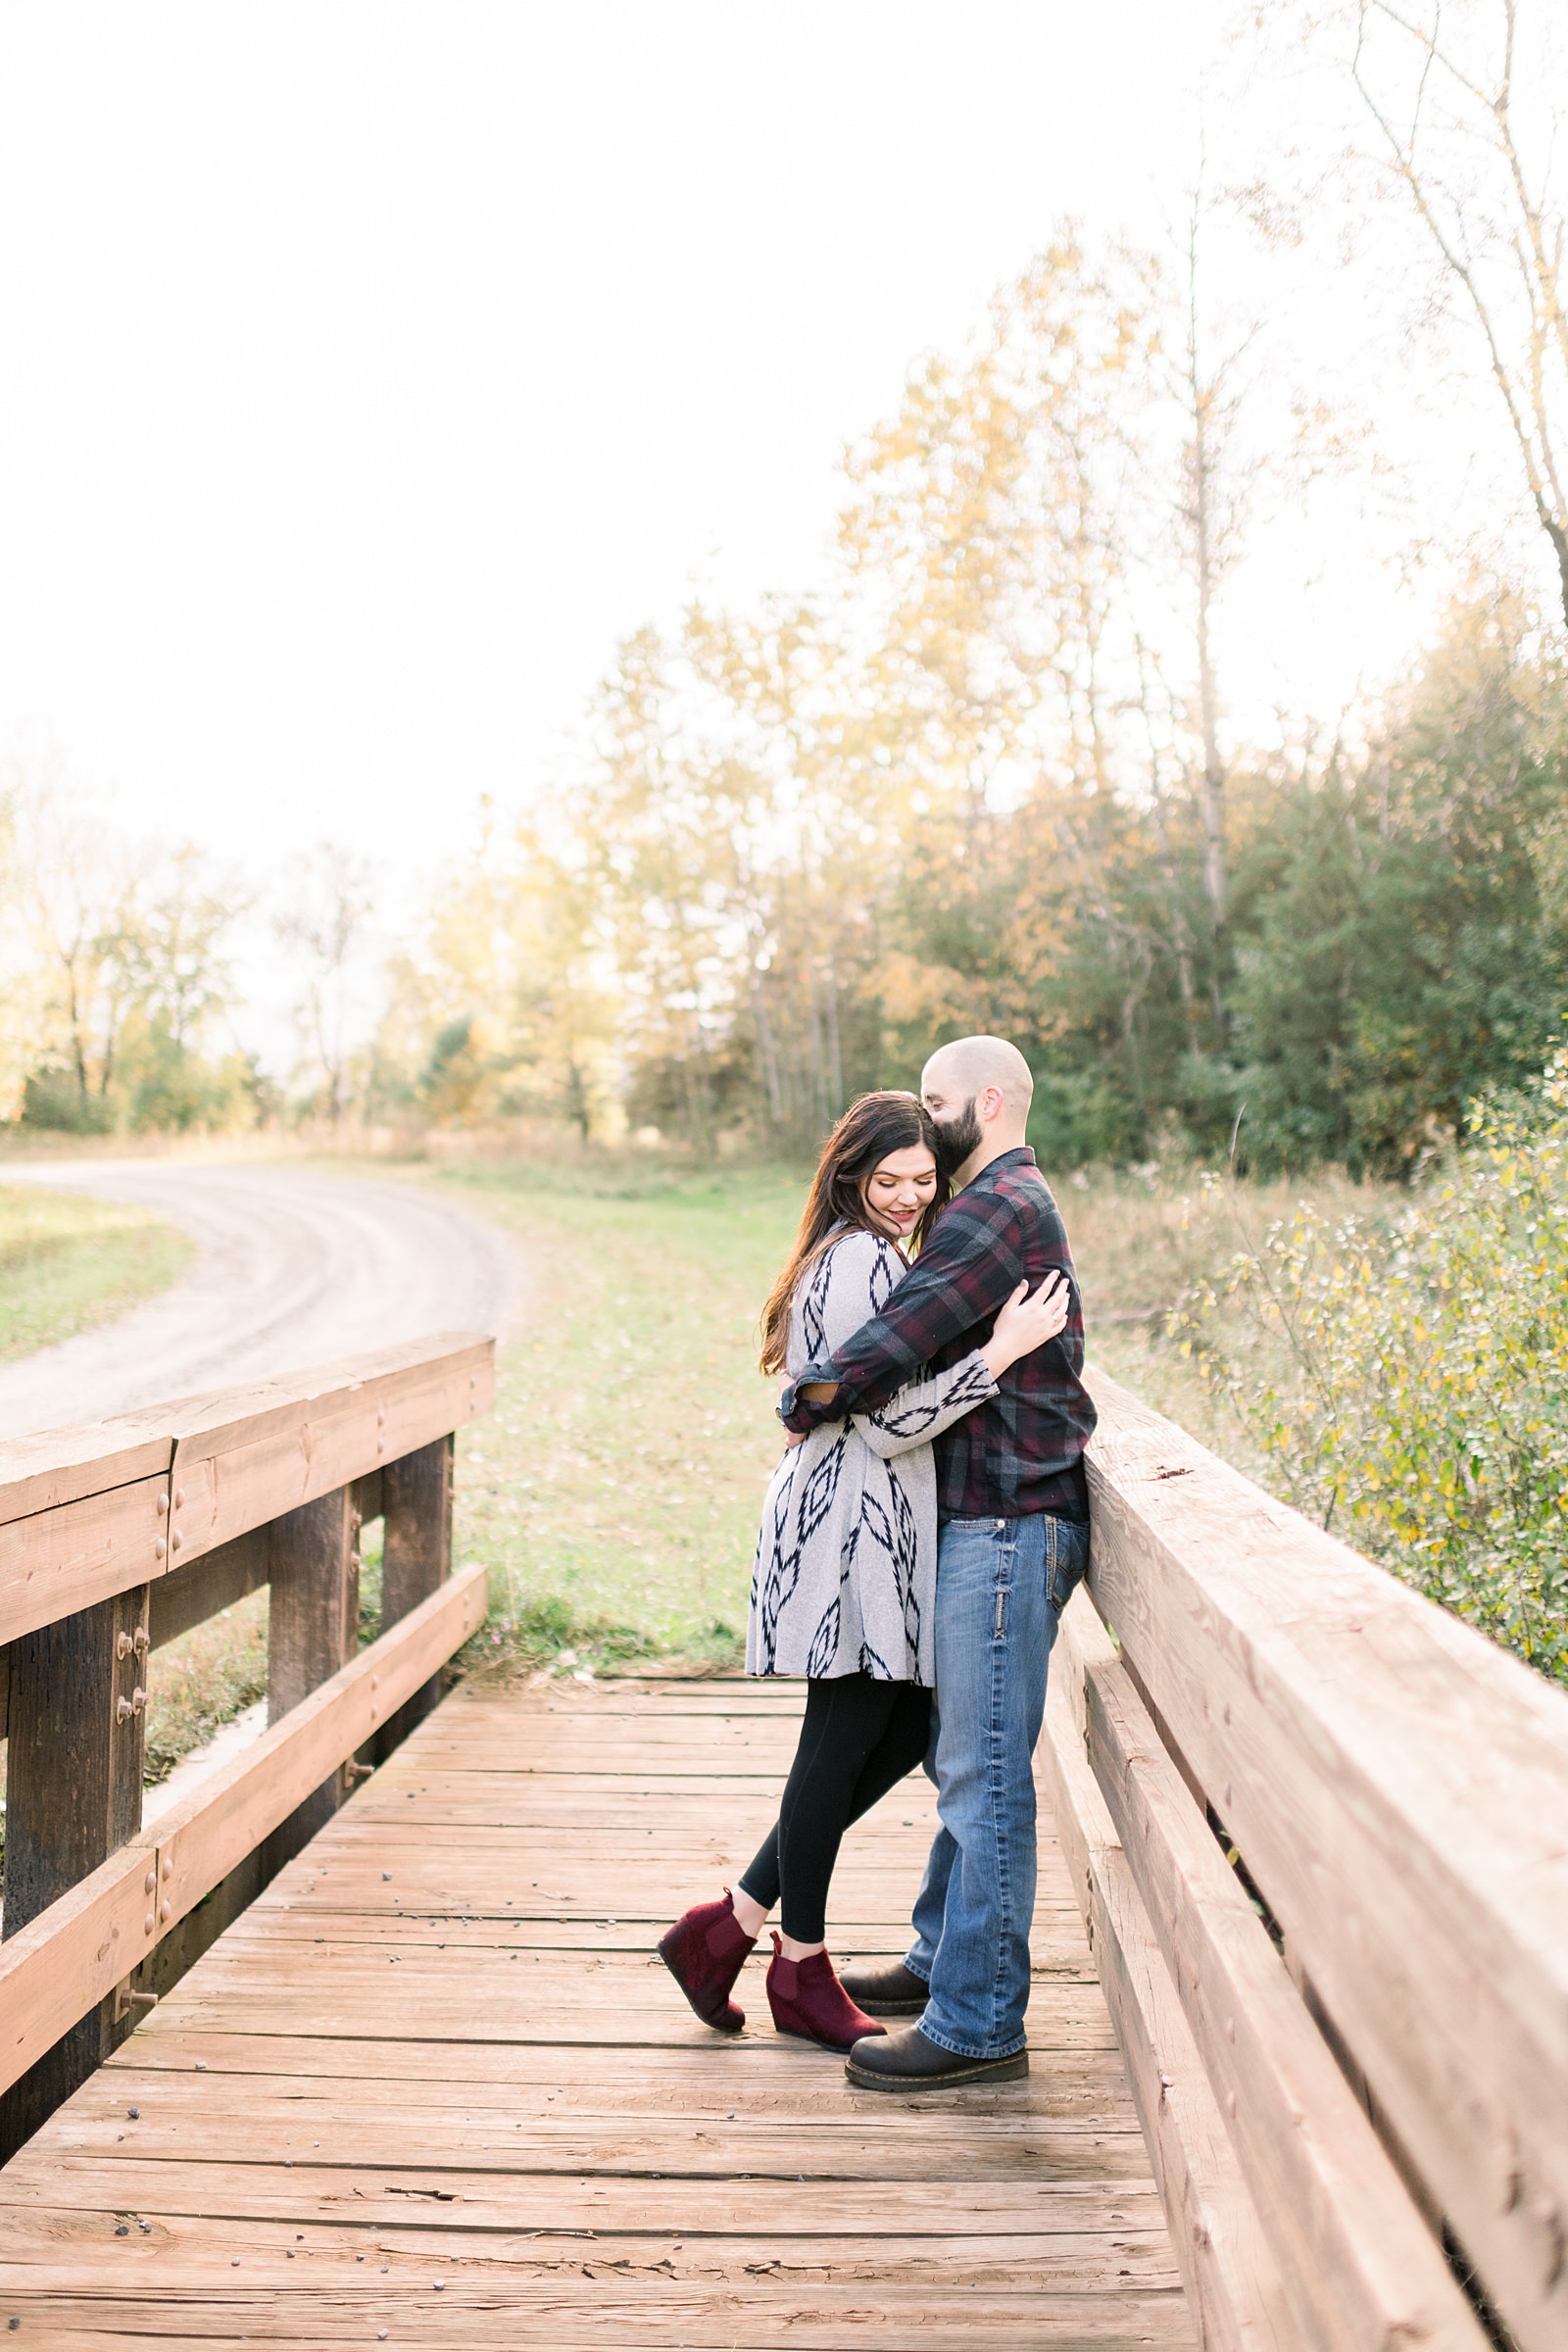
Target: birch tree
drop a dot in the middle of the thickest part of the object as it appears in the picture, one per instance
(1459, 94)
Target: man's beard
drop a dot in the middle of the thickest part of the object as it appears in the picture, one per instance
(957, 1138)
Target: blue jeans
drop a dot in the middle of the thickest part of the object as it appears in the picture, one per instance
(1002, 1584)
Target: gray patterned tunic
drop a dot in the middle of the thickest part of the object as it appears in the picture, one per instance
(846, 1565)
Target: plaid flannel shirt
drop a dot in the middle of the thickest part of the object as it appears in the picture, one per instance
(1021, 1453)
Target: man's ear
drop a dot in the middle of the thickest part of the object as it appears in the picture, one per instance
(992, 1102)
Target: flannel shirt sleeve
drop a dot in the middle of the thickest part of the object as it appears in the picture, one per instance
(965, 1272)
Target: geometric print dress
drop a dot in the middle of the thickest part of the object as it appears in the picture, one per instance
(846, 1570)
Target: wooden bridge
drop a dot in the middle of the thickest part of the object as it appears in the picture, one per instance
(360, 2039)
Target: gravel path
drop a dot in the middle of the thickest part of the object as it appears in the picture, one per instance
(292, 1267)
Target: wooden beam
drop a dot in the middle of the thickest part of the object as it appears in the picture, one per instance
(1342, 2225)
(287, 1445)
(1239, 2299)
(1397, 1786)
(189, 1596)
(57, 1562)
(73, 1779)
(56, 1466)
(313, 1631)
(72, 1954)
(167, 1486)
(416, 1555)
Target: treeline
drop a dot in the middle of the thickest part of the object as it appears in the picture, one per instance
(983, 782)
(112, 976)
(119, 976)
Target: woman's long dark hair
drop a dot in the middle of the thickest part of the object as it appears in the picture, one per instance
(869, 1132)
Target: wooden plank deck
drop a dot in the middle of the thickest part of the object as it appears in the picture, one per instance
(434, 2089)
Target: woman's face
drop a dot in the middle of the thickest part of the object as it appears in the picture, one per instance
(898, 1190)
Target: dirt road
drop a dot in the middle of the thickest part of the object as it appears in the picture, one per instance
(292, 1267)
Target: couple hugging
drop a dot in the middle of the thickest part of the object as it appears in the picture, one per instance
(921, 1537)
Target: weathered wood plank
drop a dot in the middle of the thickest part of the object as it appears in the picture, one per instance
(40, 2248)
(190, 1594)
(86, 1513)
(63, 1962)
(61, 1562)
(544, 2126)
(1397, 1786)
(416, 1555)
(387, 2195)
(53, 1467)
(1239, 2298)
(1340, 2221)
(74, 1786)
(312, 1627)
(600, 2306)
(295, 1441)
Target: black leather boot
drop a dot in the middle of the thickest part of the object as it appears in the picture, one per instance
(906, 2061)
(891, 1990)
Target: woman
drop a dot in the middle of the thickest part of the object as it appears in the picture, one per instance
(845, 1577)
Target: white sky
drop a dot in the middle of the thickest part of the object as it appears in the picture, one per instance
(371, 366)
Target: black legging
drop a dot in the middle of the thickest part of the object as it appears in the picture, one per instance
(857, 1741)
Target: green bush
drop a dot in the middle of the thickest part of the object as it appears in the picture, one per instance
(1406, 1375)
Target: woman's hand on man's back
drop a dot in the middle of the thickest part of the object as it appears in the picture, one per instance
(1027, 1322)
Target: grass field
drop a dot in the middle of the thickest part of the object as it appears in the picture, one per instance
(67, 1263)
(616, 1487)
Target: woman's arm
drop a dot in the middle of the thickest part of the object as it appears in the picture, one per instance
(923, 1409)
(926, 1408)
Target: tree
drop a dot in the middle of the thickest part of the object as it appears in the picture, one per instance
(1453, 88)
(325, 927)
(509, 991)
(1401, 950)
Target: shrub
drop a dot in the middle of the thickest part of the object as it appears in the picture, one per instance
(1408, 1375)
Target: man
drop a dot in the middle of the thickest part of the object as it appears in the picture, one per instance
(1014, 1540)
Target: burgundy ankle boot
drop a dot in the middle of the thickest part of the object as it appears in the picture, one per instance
(807, 2001)
(705, 1953)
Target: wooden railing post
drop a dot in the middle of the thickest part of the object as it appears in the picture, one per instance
(313, 1629)
(73, 1778)
(416, 1518)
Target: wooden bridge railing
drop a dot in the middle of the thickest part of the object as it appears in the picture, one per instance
(117, 1536)
(1354, 2087)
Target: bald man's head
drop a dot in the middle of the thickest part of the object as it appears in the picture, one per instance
(972, 1064)
(978, 1090)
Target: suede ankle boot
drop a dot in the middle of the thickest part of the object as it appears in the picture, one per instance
(705, 1953)
(807, 2001)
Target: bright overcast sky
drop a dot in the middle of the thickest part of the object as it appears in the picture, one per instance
(372, 366)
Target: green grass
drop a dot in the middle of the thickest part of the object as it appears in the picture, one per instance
(67, 1263)
(202, 1681)
(615, 1491)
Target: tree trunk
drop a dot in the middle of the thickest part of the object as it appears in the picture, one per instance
(1211, 793)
